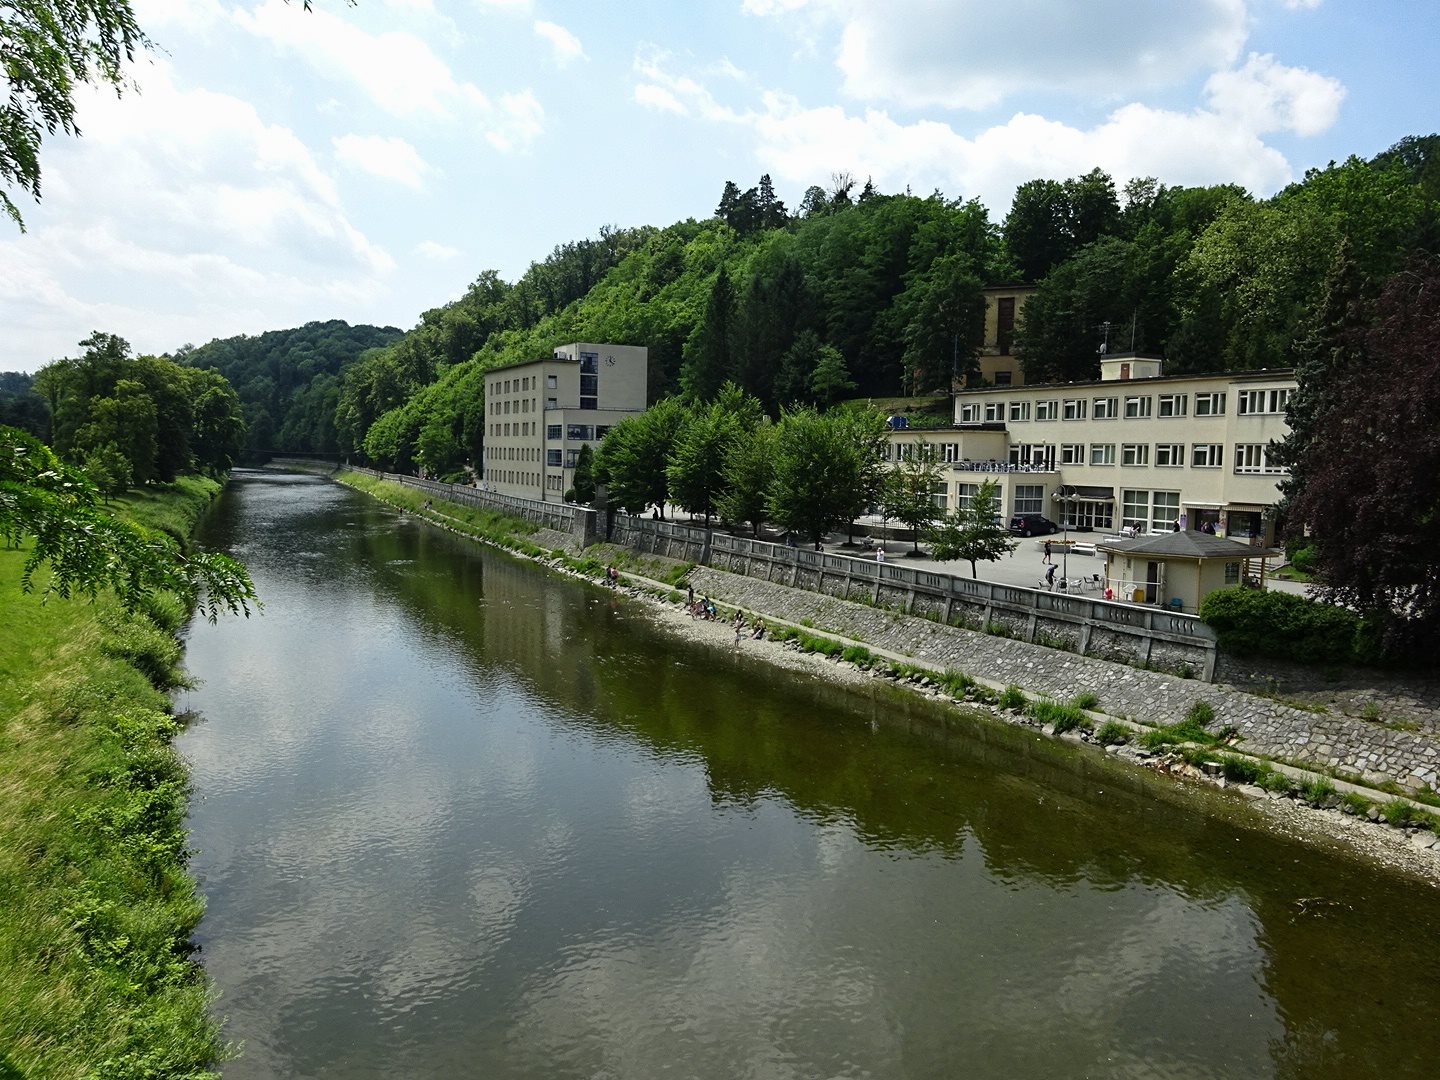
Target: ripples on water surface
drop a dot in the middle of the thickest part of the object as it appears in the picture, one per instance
(458, 817)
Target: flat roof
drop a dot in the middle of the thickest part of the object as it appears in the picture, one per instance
(1258, 375)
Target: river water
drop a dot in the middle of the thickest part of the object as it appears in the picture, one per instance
(457, 816)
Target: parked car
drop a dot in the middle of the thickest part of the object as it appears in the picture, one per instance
(1032, 525)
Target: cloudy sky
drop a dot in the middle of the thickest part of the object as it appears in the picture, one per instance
(274, 167)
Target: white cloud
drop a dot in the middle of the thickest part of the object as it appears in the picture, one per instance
(565, 45)
(1265, 95)
(399, 72)
(973, 55)
(389, 158)
(190, 216)
(157, 16)
(657, 97)
(1302, 5)
(429, 249)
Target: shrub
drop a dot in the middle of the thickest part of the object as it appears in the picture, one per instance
(857, 654)
(1304, 559)
(1273, 780)
(1261, 622)
(1013, 698)
(1063, 717)
(1112, 733)
(957, 683)
(1087, 700)
(1239, 770)
(1355, 802)
(1398, 812)
(1317, 791)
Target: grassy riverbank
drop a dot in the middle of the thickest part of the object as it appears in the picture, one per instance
(96, 903)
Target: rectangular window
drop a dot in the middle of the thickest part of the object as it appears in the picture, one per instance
(1135, 454)
(1260, 402)
(601, 430)
(1102, 453)
(589, 403)
(1136, 508)
(1174, 404)
(940, 495)
(1232, 573)
(589, 385)
(553, 457)
(994, 412)
(1207, 456)
(550, 382)
(1251, 458)
(1004, 323)
(571, 456)
(970, 413)
(1019, 410)
(1075, 408)
(1106, 408)
(1210, 404)
(1164, 510)
(1047, 410)
(1072, 454)
(552, 403)
(552, 431)
(963, 494)
(589, 363)
(1029, 499)
(507, 386)
(580, 432)
(1137, 408)
(1170, 455)
(1004, 378)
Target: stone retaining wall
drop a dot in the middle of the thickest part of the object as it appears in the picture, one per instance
(1266, 727)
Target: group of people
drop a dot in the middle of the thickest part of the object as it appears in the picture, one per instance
(756, 629)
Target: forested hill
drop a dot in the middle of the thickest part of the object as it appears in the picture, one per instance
(857, 292)
(288, 381)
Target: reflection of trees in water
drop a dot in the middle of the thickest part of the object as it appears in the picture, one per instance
(1352, 981)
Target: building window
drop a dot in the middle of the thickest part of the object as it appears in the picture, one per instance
(1260, 402)
(1170, 455)
(1251, 458)
(940, 495)
(552, 431)
(580, 432)
(1210, 404)
(1135, 506)
(1232, 573)
(1207, 456)
(1137, 408)
(1102, 453)
(1165, 510)
(553, 457)
(994, 412)
(1047, 410)
(1004, 323)
(571, 456)
(1004, 378)
(1075, 408)
(589, 363)
(552, 403)
(1019, 410)
(1072, 454)
(601, 430)
(1029, 498)
(1174, 404)
(1135, 454)
(550, 382)
(1106, 408)
(963, 494)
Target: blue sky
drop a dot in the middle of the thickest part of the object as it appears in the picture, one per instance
(274, 167)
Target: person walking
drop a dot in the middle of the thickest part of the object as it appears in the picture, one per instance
(880, 555)
(1048, 558)
(1050, 577)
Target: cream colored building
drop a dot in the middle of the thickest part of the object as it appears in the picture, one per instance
(998, 364)
(1135, 450)
(539, 413)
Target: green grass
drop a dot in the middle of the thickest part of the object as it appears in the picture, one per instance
(1064, 717)
(96, 903)
(1112, 733)
(1012, 698)
(1087, 700)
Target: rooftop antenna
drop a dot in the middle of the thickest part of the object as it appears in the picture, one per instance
(1105, 342)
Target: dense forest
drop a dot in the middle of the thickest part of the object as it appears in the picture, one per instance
(859, 293)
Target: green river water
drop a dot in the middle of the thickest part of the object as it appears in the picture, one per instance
(457, 816)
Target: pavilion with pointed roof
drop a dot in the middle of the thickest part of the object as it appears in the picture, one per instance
(1179, 569)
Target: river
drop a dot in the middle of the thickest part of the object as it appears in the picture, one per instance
(457, 816)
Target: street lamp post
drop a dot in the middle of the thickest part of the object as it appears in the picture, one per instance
(1065, 555)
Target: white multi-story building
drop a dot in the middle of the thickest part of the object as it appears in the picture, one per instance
(1135, 449)
(539, 413)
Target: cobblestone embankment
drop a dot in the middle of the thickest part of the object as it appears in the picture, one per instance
(1373, 753)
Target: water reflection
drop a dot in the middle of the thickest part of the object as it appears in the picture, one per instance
(458, 817)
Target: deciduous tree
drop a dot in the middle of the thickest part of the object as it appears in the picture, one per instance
(973, 532)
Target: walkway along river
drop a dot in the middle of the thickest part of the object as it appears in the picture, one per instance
(457, 816)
